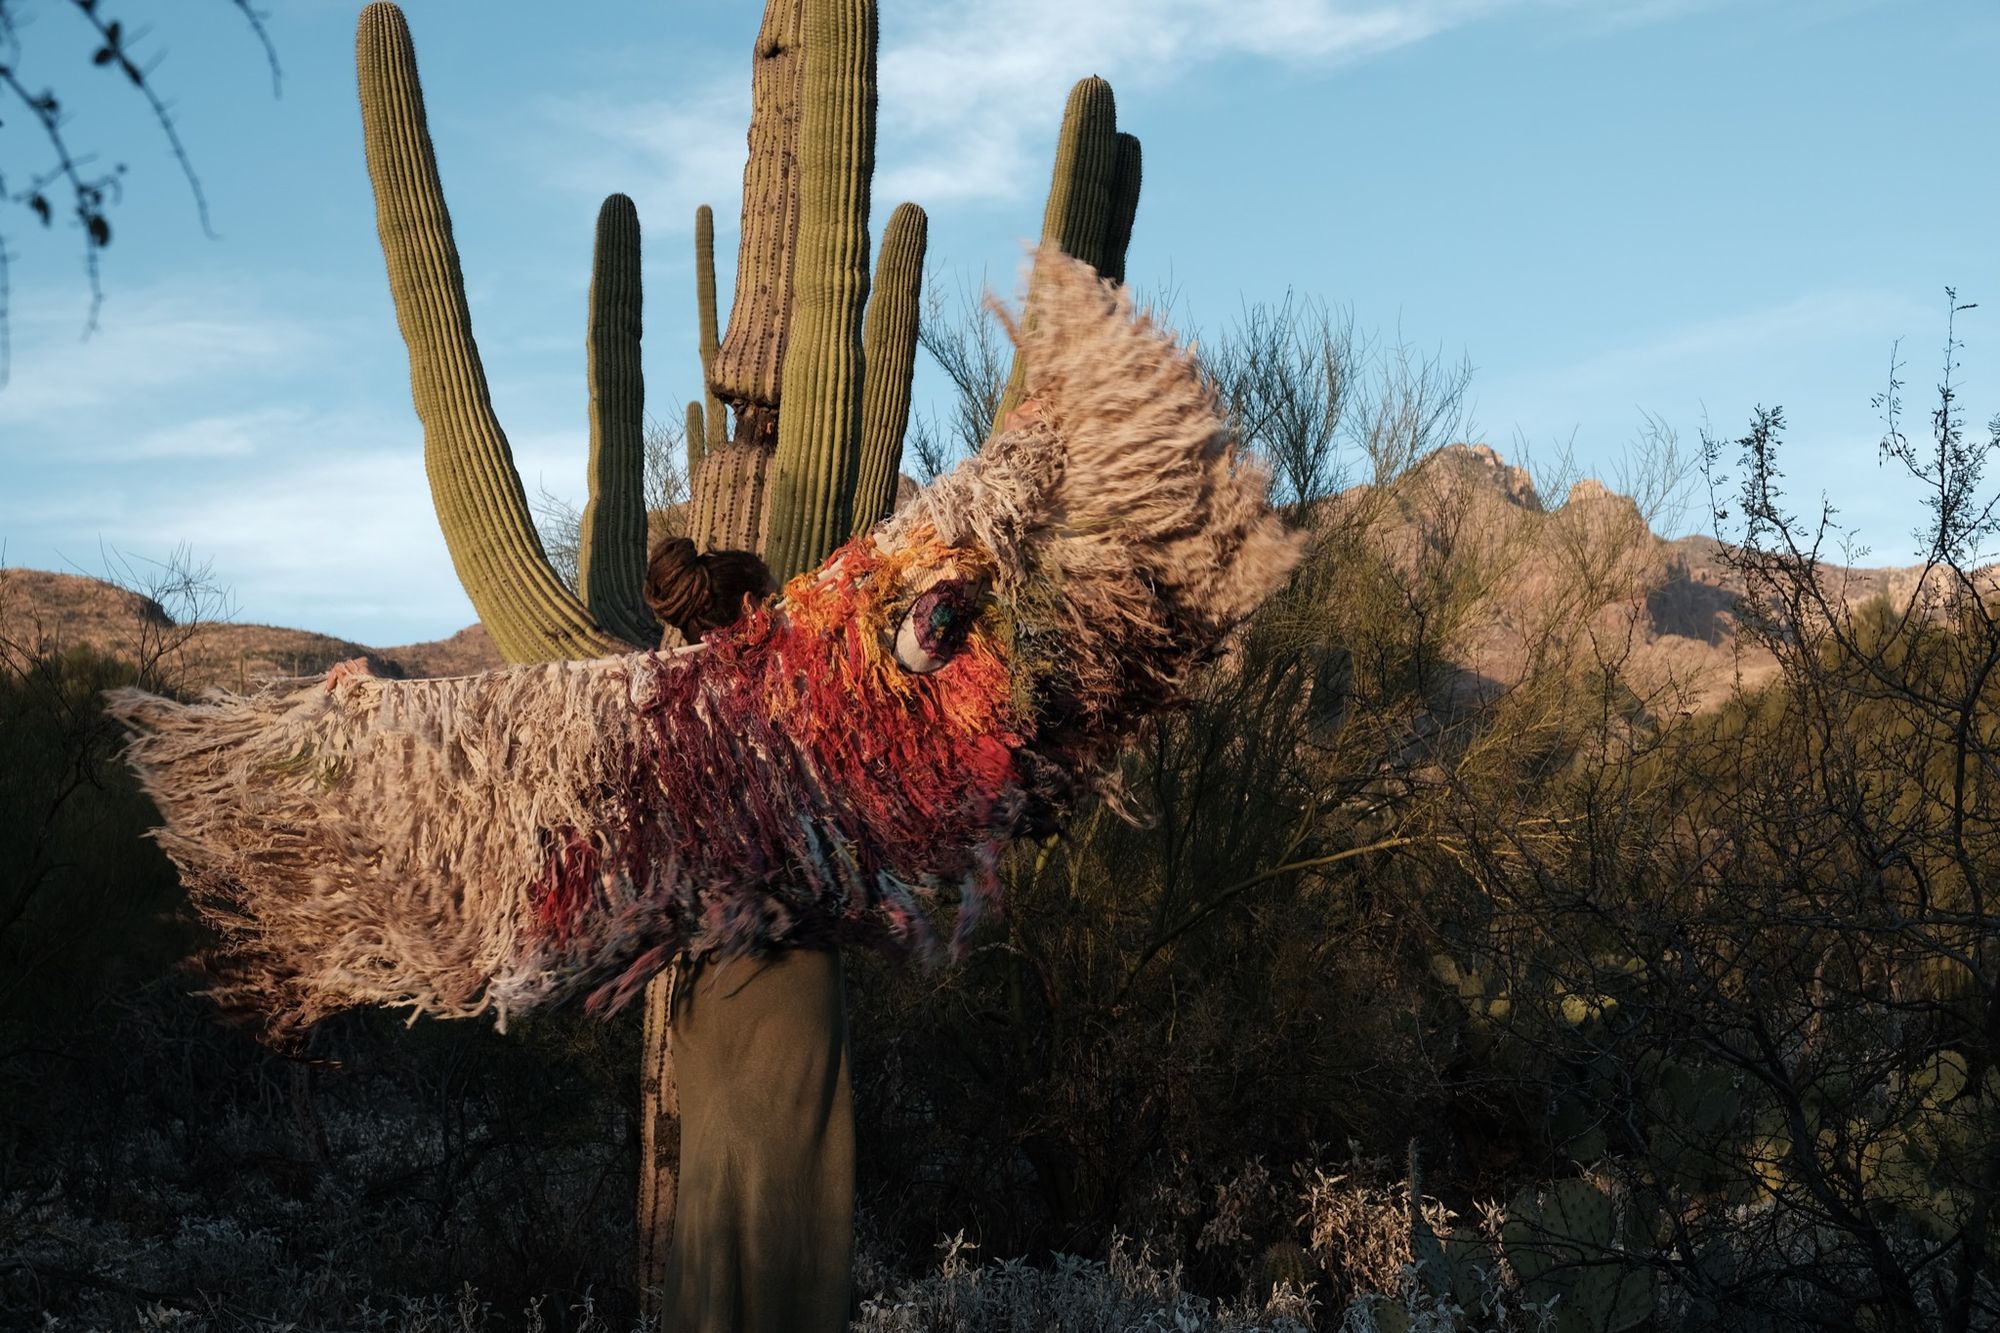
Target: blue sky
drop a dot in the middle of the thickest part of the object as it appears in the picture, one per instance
(1610, 207)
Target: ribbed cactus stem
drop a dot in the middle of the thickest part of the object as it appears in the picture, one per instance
(704, 284)
(659, 1139)
(1124, 208)
(819, 423)
(1078, 215)
(726, 508)
(693, 439)
(1078, 212)
(749, 364)
(889, 353)
(480, 502)
(611, 543)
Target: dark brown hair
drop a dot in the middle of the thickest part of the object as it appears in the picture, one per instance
(696, 592)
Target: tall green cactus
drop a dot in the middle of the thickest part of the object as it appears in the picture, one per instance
(819, 416)
(1078, 213)
(480, 502)
(1124, 208)
(695, 438)
(889, 352)
(611, 543)
(1093, 193)
(704, 289)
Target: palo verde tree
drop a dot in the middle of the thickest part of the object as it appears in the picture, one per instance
(813, 374)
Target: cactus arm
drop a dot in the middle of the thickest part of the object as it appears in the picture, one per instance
(749, 363)
(704, 285)
(1124, 208)
(693, 437)
(889, 357)
(480, 502)
(611, 544)
(1078, 213)
(819, 425)
(1079, 208)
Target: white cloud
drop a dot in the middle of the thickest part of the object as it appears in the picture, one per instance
(228, 435)
(147, 342)
(669, 154)
(970, 90)
(1772, 344)
(343, 541)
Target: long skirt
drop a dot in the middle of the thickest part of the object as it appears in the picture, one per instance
(764, 1227)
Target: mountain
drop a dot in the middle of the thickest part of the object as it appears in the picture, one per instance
(1585, 577)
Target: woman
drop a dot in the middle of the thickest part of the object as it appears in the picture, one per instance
(764, 1221)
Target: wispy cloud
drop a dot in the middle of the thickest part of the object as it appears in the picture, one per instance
(152, 341)
(669, 154)
(1775, 344)
(341, 541)
(969, 89)
(226, 435)
(1821, 355)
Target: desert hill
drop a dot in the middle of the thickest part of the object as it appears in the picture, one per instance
(75, 610)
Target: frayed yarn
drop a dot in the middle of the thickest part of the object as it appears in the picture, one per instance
(500, 842)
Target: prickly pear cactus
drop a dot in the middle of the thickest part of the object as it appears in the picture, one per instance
(1568, 1244)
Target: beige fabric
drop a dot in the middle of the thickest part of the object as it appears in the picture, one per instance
(382, 842)
(764, 1226)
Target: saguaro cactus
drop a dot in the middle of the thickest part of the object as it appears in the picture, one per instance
(704, 287)
(750, 362)
(889, 351)
(611, 544)
(1093, 194)
(480, 501)
(817, 378)
(819, 419)
(1124, 208)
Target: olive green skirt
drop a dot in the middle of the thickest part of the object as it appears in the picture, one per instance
(764, 1227)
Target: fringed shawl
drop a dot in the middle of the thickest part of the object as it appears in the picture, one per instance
(505, 840)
